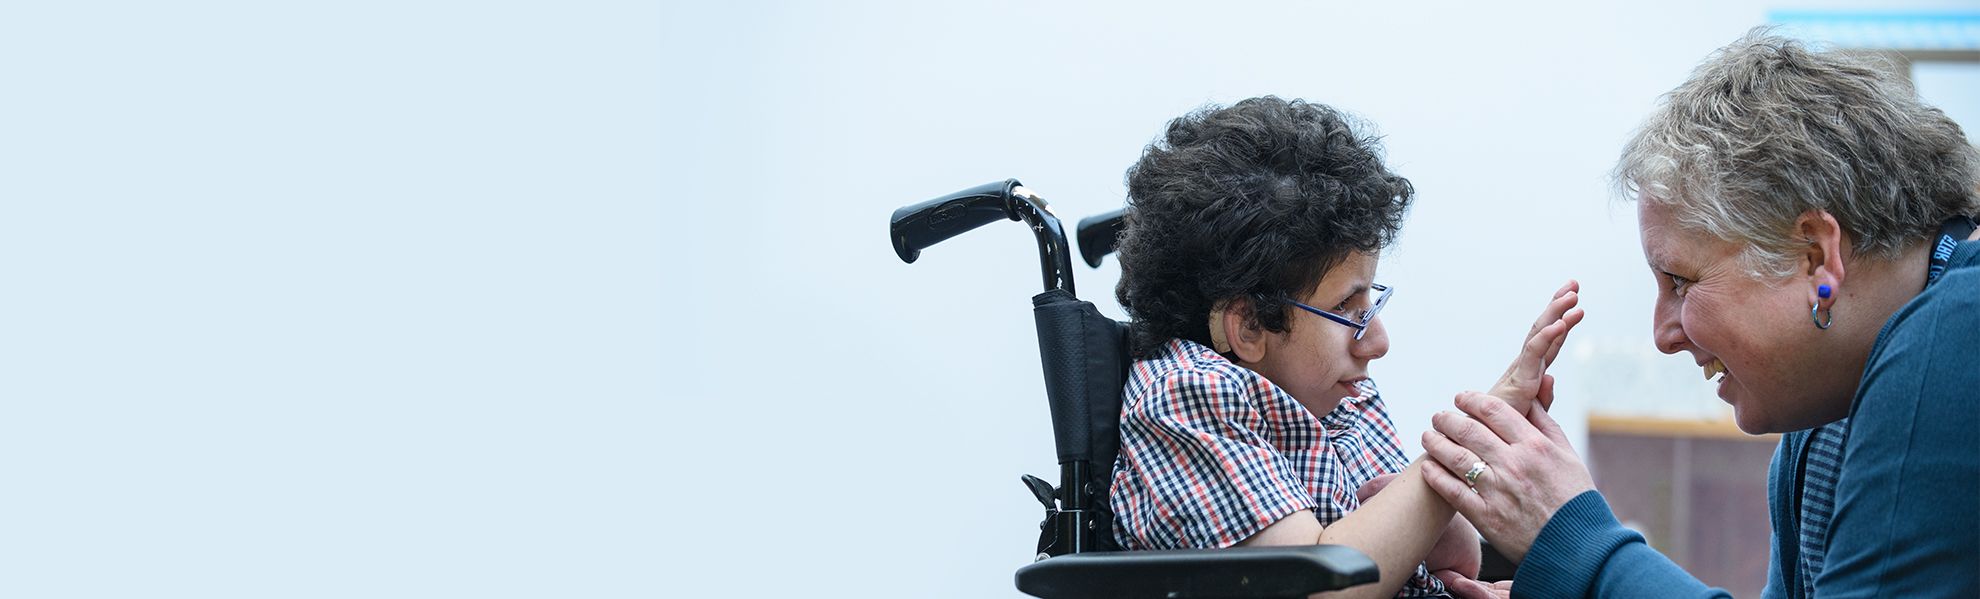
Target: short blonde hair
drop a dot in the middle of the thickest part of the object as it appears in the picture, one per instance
(1767, 129)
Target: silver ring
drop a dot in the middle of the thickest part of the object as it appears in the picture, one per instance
(1471, 476)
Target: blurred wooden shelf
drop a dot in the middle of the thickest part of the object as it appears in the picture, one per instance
(1683, 428)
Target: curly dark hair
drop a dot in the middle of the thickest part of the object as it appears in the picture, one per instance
(1255, 200)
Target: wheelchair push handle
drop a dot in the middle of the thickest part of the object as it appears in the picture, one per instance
(915, 228)
(1099, 234)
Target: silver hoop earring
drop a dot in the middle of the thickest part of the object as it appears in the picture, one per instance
(1822, 318)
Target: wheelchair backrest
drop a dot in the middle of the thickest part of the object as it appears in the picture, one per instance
(1086, 363)
(1084, 355)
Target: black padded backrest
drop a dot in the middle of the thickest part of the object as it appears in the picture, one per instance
(1085, 368)
(1085, 358)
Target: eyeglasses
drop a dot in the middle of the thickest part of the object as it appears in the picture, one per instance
(1361, 318)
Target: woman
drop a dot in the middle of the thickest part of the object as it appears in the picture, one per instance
(1803, 214)
(1248, 264)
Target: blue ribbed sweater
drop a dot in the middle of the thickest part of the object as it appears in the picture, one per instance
(1907, 515)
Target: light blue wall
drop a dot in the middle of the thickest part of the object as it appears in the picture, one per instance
(593, 299)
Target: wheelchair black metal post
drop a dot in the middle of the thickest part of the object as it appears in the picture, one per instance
(1054, 254)
(1075, 517)
(1072, 518)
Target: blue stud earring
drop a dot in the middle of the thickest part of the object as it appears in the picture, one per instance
(1822, 318)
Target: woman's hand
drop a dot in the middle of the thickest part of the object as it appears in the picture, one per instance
(1457, 548)
(1526, 381)
(1530, 470)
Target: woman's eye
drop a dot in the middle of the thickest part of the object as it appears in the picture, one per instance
(1678, 284)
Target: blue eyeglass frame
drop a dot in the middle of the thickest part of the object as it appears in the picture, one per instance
(1366, 316)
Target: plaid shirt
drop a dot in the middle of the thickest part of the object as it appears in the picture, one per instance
(1212, 453)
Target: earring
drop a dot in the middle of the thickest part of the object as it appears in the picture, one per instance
(1823, 318)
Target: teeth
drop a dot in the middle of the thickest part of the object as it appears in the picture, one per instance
(1714, 370)
(1363, 389)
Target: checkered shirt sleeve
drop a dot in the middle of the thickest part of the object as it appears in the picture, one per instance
(1199, 472)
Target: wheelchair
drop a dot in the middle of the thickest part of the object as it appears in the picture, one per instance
(1084, 355)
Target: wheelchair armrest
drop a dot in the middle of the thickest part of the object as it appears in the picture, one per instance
(1224, 573)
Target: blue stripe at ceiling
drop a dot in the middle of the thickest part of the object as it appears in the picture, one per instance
(1883, 30)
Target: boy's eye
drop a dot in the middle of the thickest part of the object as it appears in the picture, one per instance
(1352, 300)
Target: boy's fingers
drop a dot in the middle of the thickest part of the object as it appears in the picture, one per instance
(1537, 345)
(1534, 357)
(1555, 308)
(1554, 345)
(1569, 286)
(1466, 588)
(1573, 317)
(1550, 313)
(1374, 486)
(1546, 396)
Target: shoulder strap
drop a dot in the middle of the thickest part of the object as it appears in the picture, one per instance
(1955, 230)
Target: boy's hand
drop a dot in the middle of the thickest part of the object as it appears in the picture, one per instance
(1457, 550)
(1464, 587)
(1526, 381)
(1373, 486)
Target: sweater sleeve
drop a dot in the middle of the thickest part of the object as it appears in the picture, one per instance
(1781, 550)
(1584, 552)
(1904, 524)
(1776, 572)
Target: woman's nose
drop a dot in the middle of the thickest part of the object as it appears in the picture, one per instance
(1666, 328)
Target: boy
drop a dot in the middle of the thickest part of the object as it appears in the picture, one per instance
(1248, 263)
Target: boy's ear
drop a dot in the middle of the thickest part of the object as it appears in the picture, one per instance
(1232, 331)
(1218, 340)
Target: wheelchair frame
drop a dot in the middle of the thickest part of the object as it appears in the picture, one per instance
(1085, 367)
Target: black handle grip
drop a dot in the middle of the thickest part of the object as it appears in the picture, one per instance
(1098, 235)
(928, 223)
